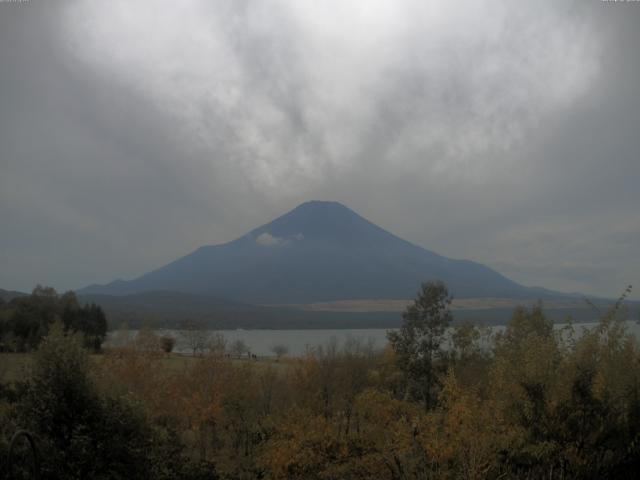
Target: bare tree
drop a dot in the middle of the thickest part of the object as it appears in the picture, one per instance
(146, 340)
(195, 336)
(239, 347)
(217, 345)
(280, 350)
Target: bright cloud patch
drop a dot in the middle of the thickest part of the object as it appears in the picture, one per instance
(268, 240)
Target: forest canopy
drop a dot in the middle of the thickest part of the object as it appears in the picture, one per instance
(26, 320)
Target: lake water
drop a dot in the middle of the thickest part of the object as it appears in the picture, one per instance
(261, 342)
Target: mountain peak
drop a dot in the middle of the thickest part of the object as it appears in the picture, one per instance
(322, 208)
(321, 220)
(322, 205)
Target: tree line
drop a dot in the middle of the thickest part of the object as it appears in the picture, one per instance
(26, 320)
(532, 401)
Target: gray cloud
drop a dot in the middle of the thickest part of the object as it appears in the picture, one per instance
(133, 133)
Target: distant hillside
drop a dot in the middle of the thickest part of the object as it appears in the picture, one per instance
(8, 295)
(164, 309)
(320, 251)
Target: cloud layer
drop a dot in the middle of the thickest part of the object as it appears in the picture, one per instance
(134, 132)
(289, 90)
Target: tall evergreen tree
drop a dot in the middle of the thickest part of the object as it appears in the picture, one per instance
(417, 343)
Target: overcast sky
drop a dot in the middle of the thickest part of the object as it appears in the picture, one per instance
(132, 133)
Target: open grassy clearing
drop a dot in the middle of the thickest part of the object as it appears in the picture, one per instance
(15, 366)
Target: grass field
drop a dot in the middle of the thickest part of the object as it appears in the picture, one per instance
(15, 366)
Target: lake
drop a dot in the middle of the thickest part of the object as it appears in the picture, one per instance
(261, 342)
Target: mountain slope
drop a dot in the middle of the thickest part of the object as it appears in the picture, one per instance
(319, 251)
(8, 295)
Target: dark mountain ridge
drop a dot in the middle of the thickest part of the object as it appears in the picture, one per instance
(8, 295)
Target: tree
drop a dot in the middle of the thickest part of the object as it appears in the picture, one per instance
(81, 434)
(464, 340)
(147, 341)
(195, 336)
(32, 315)
(417, 343)
(93, 324)
(167, 343)
(217, 345)
(280, 350)
(239, 347)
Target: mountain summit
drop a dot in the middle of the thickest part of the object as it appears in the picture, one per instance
(319, 251)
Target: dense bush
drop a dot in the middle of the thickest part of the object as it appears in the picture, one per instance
(167, 344)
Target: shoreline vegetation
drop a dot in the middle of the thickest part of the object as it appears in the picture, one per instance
(168, 310)
(538, 402)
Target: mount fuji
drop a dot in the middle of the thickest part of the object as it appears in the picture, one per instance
(319, 251)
